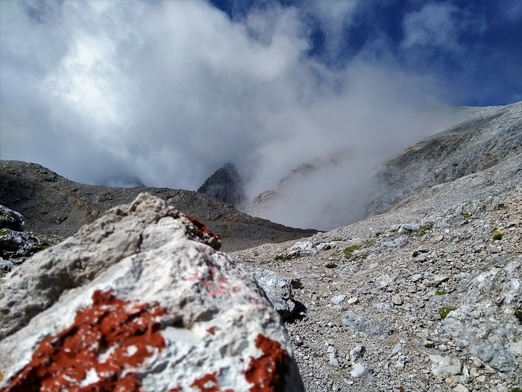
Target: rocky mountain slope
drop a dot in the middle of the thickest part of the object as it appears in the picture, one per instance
(55, 206)
(427, 296)
(484, 137)
(478, 139)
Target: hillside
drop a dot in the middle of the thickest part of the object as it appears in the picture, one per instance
(55, 206)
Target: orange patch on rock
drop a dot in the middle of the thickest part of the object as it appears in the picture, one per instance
(106, 342)
(207, 383)
(205, 233)
(268, 372)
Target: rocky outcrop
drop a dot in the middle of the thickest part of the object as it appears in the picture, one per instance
(56, 208)
(225, 184)
(140, 300)
(10, 219)
(16, 245)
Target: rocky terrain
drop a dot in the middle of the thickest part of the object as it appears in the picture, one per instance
(425, 294)
(411, 300)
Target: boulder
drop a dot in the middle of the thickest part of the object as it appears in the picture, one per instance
(140, 300)
(17, 246)
(10, 219)
(278, 290)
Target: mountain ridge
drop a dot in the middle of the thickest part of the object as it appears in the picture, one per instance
(55, 206)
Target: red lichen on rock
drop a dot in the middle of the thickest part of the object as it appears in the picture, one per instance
(207, 383)
(268, 372)
(212, 330)
(103, 348)
(205, 233)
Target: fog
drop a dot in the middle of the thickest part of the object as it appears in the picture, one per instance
(165, 93)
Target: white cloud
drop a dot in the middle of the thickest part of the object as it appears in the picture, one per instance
(169, 91)
(434, 25)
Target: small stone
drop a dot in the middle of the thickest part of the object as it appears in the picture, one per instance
(332, 360)
(416, 278)
(353, 301)
(460, 388)
(397, 300)
(357, 352)
(359, 370)
(444, 366)
(338, 299)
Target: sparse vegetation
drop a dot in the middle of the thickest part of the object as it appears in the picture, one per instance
(440, 292)
(39, 247)
(497, 235)
(4, 218)
(353, 252)
(285, 257)
(465, 215)
(349, 251)
(423, 229)
(445, 310)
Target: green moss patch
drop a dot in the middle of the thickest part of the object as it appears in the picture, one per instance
(445, 310)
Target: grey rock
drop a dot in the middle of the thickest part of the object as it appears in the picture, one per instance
(360, 370)
(408, 228)
(10, 219)
(303, 248)
(338, 299)
(364, 325)
(202, 314)
(17, 246)
(460, 388)
(5, 267)
(357, 352)
(397, 300)
(278, 290)
(444, 366)
(490, 341)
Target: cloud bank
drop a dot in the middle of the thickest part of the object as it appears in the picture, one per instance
(168, 91)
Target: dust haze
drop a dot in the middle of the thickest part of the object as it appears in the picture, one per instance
(165, 93)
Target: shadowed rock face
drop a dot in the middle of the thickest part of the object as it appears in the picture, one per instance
(141, 300)
(225, 184)
(53, 205)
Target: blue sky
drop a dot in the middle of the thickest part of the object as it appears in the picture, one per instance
(105, 91)
(471, 46)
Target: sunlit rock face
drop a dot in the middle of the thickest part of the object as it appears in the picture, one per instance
(141, 300)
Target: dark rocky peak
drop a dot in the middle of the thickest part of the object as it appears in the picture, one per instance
(225, 184)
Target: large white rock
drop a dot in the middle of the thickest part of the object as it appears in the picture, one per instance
(164, 312)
